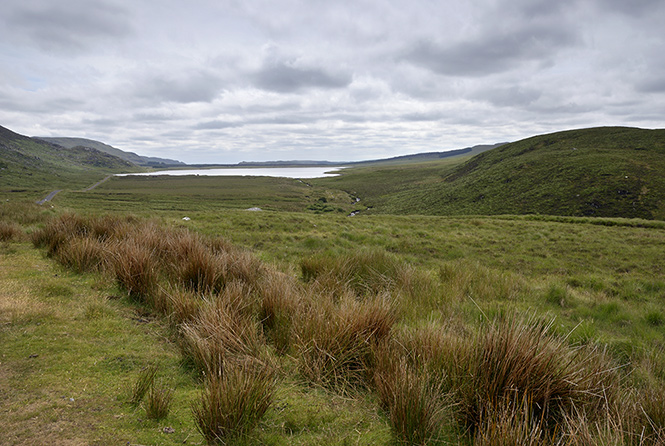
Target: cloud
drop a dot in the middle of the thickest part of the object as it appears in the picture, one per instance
(185, 87)
(514, 96)
(216, 125)
(652, 85)
(68, 26)
(289, 76)
(490, 53)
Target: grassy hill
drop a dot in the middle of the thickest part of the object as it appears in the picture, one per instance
(601, 172)
(27, 164)
(127, 156)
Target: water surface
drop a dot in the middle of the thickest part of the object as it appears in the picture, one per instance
(283, 172)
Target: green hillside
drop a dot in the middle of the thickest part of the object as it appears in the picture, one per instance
(127, 156)
(602, 172)
(30, 165)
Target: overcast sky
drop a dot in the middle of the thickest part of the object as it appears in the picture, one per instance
(228, 81)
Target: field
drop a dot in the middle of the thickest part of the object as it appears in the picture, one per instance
(374, 329)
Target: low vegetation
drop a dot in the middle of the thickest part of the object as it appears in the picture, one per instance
(312, 327)
(445, 354)
(600, 172)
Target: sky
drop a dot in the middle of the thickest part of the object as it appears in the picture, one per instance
(224, 81)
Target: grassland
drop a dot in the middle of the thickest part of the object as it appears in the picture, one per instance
(317, 327)
(599, 280)
(602, 172)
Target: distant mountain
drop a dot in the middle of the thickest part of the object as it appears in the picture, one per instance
(416, 158)
(430, 156)
(139, 160)
(28, 164)
(604, 172)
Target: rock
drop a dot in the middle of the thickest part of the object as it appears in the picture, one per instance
(169, 430)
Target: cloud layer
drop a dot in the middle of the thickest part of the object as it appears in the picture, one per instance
(229, 81)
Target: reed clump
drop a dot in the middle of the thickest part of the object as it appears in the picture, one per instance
(416, 404)
(10, 231)
(335, 340)
(233, 401)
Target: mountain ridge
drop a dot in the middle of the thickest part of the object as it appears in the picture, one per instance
(140, 160)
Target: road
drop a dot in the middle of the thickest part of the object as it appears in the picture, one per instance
(49, 197)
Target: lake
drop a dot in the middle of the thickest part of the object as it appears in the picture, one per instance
(284, 172)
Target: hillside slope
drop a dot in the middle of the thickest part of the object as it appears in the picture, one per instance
(604, 172)
(127, 156)
(30, 164)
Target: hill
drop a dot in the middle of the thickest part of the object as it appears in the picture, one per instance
(147, 161)
(31, 164)
(603, 172)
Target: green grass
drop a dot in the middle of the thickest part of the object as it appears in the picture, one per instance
(600, 172)
(70, 353)
(315, 297)
(31, 168)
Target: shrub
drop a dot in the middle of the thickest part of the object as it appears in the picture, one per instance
(233, 401)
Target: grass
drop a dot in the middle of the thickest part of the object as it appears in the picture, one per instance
(600, 172)
(143, 384)
(69, 355)
(233, 401)
(318, 295)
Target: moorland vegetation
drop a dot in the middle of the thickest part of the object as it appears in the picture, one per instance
(300, 325)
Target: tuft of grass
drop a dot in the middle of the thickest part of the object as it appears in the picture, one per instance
(511, 425)
(82, 255)
(233, 401)
(517, 361)
(462, 278)
(414, 400)
(158, 402)
(224, 331)
(135, 269)
(335, 340)
(143, 384)
(280, 302)
(10, 231)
